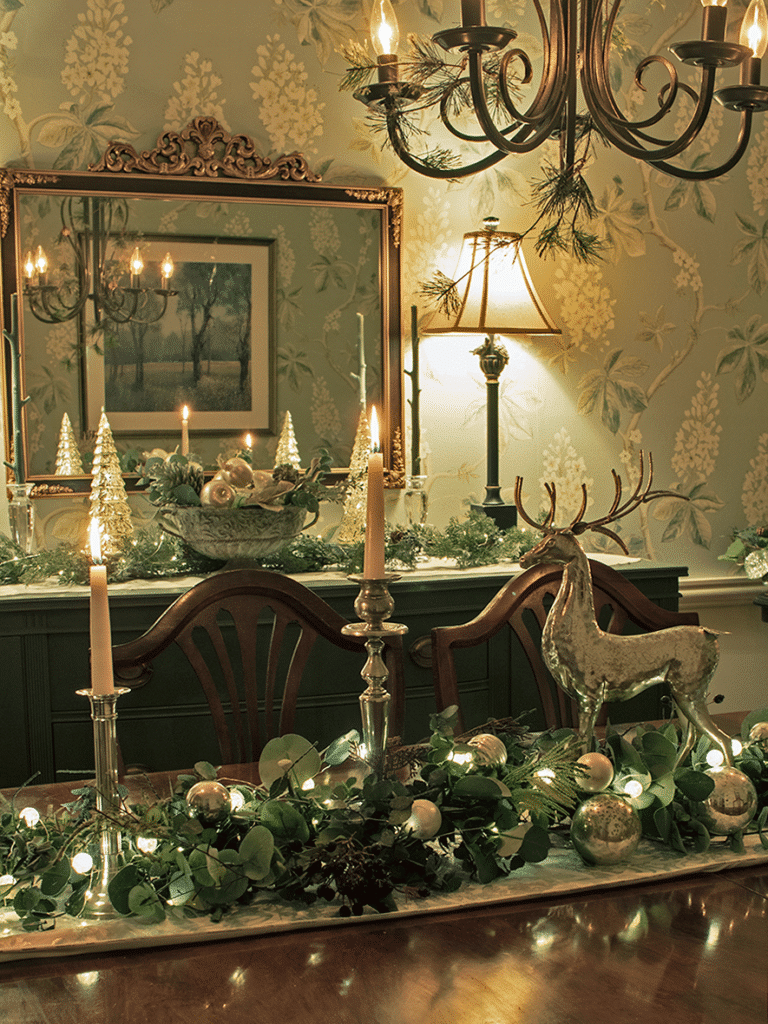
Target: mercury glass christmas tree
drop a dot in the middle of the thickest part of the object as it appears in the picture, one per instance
(109, 503)
(287, 448)
(352, 527)
(68, 461)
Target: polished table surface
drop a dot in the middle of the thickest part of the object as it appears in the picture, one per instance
(688, 952)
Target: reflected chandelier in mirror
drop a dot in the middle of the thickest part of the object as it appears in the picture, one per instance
(199, 273)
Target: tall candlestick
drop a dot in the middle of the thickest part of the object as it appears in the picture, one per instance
(185, 431)
(373, 565)
(102, 676)
(362, 382)
(415, 395)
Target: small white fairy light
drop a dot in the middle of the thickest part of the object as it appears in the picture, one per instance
(236, 799)
(30, 816)
(736, 746)
(633, 788)
(715, 758)
(82, 862)
(147, 844)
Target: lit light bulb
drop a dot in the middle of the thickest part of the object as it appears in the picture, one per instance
(713, 3)
(236, 799)
(147, 844)
(29, 266)
(736, 747)
(715, 758)
(308, 784)
(385, 33)
(166, 268)
(30, 816)
(754, 28)
(7, 880)
(136, 263)
(545, 775)
(82, 863)
(633, 788)
(41, 261)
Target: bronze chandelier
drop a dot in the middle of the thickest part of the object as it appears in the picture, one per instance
(576, 53)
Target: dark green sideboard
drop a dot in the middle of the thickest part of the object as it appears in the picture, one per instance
(44, 658)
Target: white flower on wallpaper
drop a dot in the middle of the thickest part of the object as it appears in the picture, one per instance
(709, 135)
(326, 24)
(195, 95)
(96, 55)
(429, 244)
(288, 109)
(586, 304)
(324, 231)
(697, 442)
(8, 86)
(757, 170)
(325, 415)
(238, 225)
(567, 470)
(754, 496)
(688, 276)
(61, 341)
(286, 257)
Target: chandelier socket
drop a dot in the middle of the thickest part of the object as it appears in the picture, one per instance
(710, 53)
(480, 38)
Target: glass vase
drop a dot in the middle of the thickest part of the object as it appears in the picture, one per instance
(21, 516)
(415, 500)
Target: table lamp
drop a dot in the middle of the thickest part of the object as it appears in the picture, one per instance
(495, 295)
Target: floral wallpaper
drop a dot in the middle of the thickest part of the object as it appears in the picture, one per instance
(664, 344)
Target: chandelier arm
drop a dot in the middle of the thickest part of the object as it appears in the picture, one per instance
(520, 144)
(537, 110)
(741, 147)
(621, 134)
(457, 132)
(444, 173)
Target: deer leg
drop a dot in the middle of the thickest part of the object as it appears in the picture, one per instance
(588, 712)
(699, 719)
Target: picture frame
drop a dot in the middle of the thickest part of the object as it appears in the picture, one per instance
(212, 349)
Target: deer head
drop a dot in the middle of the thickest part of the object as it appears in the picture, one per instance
(558, 544)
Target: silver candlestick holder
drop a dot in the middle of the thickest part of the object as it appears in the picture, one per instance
(374, 605)
(104, 716)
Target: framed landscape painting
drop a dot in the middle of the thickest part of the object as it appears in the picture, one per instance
(212, 349)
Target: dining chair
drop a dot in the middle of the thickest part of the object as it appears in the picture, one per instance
(248, 673)
(522, 604)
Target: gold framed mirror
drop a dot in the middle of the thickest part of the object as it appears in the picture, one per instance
(304, 316)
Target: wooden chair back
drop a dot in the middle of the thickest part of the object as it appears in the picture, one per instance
(215, 625)
(522, 604)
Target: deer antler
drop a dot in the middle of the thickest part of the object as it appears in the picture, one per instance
(639, 496)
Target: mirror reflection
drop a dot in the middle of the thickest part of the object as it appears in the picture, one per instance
(240, 303)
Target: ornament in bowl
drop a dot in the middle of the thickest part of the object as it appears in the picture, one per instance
(241, 513)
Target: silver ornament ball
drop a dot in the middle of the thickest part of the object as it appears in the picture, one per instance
(605, 829)
(425, 819)
(208, 800)
(489, 749)
(732, 803)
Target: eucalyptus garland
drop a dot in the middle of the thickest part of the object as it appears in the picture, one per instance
(351, 840)
(151, 554)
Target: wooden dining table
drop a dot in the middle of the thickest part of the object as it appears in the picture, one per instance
(692, 950)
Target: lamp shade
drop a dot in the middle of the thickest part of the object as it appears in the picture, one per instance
(494, 289)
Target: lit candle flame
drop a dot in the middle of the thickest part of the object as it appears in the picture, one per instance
(41, 260)
(167, 267)
(95, 534)
(375, 442)
(185, 413)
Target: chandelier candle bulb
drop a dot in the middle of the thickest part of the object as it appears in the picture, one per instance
(136, 266)
(166, 270)
(385, 36)
(373, 564)
(715, 20)
(185, 430)
(102, 677)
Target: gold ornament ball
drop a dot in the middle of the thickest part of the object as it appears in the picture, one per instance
(489, 749)
(732, 803)
(759, 734)
(208, 800)
(237, 472)
(217, 493)
(605, 829)
(598, 772)
(425, 819)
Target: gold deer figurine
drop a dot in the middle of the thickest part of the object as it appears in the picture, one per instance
(593, 666)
